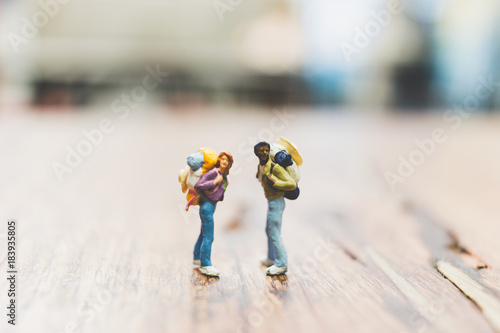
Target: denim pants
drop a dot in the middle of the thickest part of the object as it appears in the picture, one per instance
(276, 250)
(203, 246)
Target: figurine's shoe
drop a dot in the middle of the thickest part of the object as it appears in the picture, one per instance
(209, 270)
(275, 270)
(264, 260)
(197, 262)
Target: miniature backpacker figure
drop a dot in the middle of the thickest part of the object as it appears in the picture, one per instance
(206, 178)
(278, 174)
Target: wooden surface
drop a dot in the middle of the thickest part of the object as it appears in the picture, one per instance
(109, 248)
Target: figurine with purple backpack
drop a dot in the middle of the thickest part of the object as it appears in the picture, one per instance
(205, 178)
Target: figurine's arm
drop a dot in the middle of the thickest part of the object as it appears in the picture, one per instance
(282, 180)
(206, 182)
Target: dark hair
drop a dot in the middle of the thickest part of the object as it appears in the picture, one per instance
(260, 145)
(229, 159)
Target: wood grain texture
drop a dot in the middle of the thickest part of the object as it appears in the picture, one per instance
(490, 306)
(108, 249)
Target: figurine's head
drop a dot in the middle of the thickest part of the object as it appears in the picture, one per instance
(196, 160)
(261, 150)
(224, 162)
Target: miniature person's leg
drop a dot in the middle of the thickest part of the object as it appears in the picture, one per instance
(190, 203)
(192, 199)
(275, 215)
(207, 210)
(271, 252)
(197, 246)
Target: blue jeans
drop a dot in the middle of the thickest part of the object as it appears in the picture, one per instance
(276, 249)
(203, 246)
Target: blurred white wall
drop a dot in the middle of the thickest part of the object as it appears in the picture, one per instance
(224, 43)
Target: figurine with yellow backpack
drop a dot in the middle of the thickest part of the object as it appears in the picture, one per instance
(205, 180)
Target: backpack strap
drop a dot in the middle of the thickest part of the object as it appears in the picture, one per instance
(271, 173)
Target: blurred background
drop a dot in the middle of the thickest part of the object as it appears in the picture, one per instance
(375, 54)
(373, 93)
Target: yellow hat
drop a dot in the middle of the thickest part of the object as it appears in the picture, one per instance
(291, 149)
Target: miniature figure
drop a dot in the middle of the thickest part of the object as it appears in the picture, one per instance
(279, 181)
(197, 165)
(207, 191)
